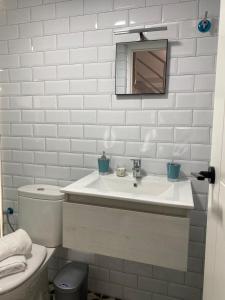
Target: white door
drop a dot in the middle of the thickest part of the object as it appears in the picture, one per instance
(1, 205)
(214, 278)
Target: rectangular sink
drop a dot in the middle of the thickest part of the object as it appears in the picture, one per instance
(145, 221)
(154, 190)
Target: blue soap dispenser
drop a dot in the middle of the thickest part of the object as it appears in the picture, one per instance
(103, 164)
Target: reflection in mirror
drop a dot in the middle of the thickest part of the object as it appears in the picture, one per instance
(141, 67)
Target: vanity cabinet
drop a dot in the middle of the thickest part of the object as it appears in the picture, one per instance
(114, 216)
(145, 237)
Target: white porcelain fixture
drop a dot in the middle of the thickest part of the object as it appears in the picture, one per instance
(143, 220)
(40, 214)
(155, 190)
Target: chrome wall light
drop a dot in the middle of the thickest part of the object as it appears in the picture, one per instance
(141, 31)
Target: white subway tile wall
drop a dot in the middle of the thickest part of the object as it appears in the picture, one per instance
(59, 111)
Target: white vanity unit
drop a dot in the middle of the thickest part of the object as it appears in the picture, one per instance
(145, 220)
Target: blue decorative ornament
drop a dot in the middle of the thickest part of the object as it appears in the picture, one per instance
(205, 24)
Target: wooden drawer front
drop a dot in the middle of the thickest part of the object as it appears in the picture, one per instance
(143, 237)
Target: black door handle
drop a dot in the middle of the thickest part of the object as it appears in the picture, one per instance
(210, 175)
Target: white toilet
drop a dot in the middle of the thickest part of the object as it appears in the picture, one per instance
(40, 214)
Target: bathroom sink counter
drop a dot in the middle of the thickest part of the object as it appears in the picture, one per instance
(151, 193)
(111, 216)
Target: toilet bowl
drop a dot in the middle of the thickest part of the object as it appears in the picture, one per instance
(40, 214)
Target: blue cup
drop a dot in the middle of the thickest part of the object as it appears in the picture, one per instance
(173, 171)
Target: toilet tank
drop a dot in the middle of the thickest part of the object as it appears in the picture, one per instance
(40, 213)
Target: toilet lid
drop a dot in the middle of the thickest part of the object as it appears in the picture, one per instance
(41, 191)
(34, 262)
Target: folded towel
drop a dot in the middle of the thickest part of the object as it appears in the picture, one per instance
(16, 243)
(12, 265)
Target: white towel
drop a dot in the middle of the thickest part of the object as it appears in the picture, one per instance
(12, 265)
(16, 243)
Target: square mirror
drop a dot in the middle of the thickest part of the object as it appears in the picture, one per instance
(141, 67)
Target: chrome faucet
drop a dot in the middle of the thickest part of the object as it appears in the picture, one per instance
(136, 168)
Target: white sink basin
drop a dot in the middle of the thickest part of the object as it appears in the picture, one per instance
(155, 190)
(113, 184)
